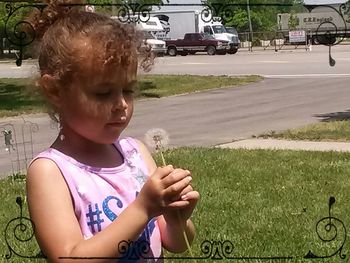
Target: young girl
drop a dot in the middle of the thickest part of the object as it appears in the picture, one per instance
(93, 195)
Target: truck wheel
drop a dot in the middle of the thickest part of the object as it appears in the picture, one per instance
(324, 40)
(192, 52)
(172, 51)
(211, 50)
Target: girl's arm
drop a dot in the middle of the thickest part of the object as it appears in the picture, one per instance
(57, 229)
(169, 223)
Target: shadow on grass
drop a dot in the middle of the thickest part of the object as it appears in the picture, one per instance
(334, 116)
(15, 95)
(144, 86)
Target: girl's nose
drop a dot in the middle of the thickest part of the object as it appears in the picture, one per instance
(119, 103)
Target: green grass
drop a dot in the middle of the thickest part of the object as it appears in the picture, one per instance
(167, 85)
(267, 203)
(323, 131)
(17, 96)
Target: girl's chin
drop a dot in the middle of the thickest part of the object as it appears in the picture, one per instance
(112, 138)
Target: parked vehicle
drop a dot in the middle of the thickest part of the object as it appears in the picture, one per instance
(196, 42)
(321, 27)
(176, 23)
(157, 46)
(150, 28)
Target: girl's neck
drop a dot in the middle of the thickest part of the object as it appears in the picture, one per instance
(87, 151)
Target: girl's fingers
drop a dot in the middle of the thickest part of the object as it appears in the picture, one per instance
(175, 176)
(193, 195)
(186, 190)
(174, 190)
(163, 172)
(178, 204)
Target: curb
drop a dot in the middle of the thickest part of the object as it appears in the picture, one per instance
(273, 144)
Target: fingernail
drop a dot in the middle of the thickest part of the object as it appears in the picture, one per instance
(184, 197)
(189, 178)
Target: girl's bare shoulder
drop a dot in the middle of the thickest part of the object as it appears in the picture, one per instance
(43, 169)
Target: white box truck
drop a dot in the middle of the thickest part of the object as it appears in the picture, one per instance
(321, 27)
(182, 20)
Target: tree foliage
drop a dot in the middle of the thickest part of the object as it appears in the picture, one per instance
(263, 13)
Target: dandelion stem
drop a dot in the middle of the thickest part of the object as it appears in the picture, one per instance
(178, 214)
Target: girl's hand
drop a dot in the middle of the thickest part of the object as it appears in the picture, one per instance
(188, 195)
(164, 186)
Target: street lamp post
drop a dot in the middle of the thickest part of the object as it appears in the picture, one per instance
(250, 27)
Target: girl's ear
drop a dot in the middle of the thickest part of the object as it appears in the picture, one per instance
(52, 90)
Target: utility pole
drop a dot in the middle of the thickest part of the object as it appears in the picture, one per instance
(114, 8)
(250, 27)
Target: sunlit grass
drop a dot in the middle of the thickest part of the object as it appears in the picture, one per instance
(322, 131)
(266, 203)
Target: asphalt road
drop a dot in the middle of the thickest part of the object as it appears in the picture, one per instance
(288, 98)
(284, 63)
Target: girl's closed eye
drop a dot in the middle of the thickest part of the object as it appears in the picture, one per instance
(103, 93)
(128, 91)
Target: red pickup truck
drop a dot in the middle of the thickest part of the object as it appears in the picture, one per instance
(196, 42)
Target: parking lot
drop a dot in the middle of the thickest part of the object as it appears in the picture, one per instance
(286, 62)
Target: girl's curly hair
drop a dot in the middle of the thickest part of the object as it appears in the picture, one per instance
(65, 35)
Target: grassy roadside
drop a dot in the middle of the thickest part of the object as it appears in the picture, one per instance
(17, 96)
(338, 131)
(267, 203)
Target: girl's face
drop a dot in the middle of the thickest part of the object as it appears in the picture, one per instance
(99, 104)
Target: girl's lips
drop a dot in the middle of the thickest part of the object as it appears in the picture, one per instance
(118, 123)
(121, 121)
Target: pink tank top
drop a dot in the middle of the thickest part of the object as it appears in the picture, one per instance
(101, 194)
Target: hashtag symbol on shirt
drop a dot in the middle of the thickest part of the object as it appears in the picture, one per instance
(91, 218)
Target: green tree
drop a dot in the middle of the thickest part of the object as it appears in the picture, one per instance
(293, 21)
(263, 13)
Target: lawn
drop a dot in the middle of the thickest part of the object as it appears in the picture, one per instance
(265, 203)
(322, 131)
(17, 96)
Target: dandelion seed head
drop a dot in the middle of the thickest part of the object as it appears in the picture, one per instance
(157, 138)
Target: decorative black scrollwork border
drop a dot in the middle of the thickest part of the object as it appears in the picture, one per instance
(330, 224)
(135, 12)
(18, 227)
(210, 249)
(20, 37)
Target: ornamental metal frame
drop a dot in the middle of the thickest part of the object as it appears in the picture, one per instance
(329, 229)
(135, 12)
